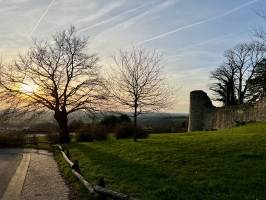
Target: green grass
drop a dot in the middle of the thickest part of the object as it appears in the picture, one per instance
(77, 187)
(226, 164)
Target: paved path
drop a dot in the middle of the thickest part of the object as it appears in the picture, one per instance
(43, 180)
(37, 173)
(8, 165)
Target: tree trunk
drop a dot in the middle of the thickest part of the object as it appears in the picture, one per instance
(240, 100)
(135, 123)
(61, 118)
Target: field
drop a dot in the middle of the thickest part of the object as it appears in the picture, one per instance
(226, 164)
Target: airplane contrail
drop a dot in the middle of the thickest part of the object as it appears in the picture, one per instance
(113, 18)
(214, 39)
(41, 18)
(198, 23)
(173, 58)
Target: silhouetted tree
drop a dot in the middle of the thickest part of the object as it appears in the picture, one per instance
(137, 83)
(110, 121)
(258, 83)
(123, 118)
(57, 75)
(232, 84)
(224, 88)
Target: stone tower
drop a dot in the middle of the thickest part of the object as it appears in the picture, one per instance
(200, 103)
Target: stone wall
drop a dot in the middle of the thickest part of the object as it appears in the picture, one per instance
(204, 116)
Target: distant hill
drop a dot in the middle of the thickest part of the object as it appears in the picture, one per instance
(157, 122)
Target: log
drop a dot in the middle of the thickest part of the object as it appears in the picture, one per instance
(85, 183)
(110, 193)
(65, 157)
(95, 189)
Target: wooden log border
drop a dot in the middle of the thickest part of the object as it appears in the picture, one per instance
(94, 189)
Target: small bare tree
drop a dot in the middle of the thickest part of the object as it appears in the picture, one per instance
(137, 82)
(57, 76)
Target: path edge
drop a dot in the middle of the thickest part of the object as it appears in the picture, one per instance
(15, 186)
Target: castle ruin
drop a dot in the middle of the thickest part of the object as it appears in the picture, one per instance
(204, 116)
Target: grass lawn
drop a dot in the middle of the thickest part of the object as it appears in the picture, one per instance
(225, 164)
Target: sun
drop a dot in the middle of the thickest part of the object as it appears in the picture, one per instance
(28, 88)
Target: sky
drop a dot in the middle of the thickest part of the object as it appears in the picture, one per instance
(192, 35)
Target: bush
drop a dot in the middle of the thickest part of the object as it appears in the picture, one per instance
(99, 132)
(111, 121)
(124, 118)
(53, 137)
(84, 135)
(75, 125)
(127, 130)
(12, 139)
(89, 133)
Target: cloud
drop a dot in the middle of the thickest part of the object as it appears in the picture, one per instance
(162, 35)
(41, 18)
(117, 16)
(146, 9)
(220, 38)
(105, 9)
(154, 8)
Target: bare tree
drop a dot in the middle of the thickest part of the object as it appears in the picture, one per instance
(57, 76)
(137, 82)
(238, 69)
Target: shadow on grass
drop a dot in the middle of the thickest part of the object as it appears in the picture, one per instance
(139, 180)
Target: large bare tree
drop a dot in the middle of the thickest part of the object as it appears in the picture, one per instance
(137, 82)
(57, 75)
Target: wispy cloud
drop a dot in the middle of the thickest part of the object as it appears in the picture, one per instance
(159, 6)
(150, 8)
(104, 10)
(41, 18)
(212, 40)
(115, 17)
(162, 35)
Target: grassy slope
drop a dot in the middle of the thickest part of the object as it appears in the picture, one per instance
(227, 164)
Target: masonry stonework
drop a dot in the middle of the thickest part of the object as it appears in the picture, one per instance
(204, 116)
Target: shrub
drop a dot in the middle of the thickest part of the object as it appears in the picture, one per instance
(42, 127)
(15, 138)
(53, 137)
(75, 125)
(141, 133)
(127, 130)
(124, 131)
(99, 132)
(89, 133)
(111, 121)
(84, 135)
(124, 118)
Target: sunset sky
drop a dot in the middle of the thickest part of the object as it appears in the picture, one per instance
(191, 34)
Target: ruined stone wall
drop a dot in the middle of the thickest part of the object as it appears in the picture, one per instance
(204, 116)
